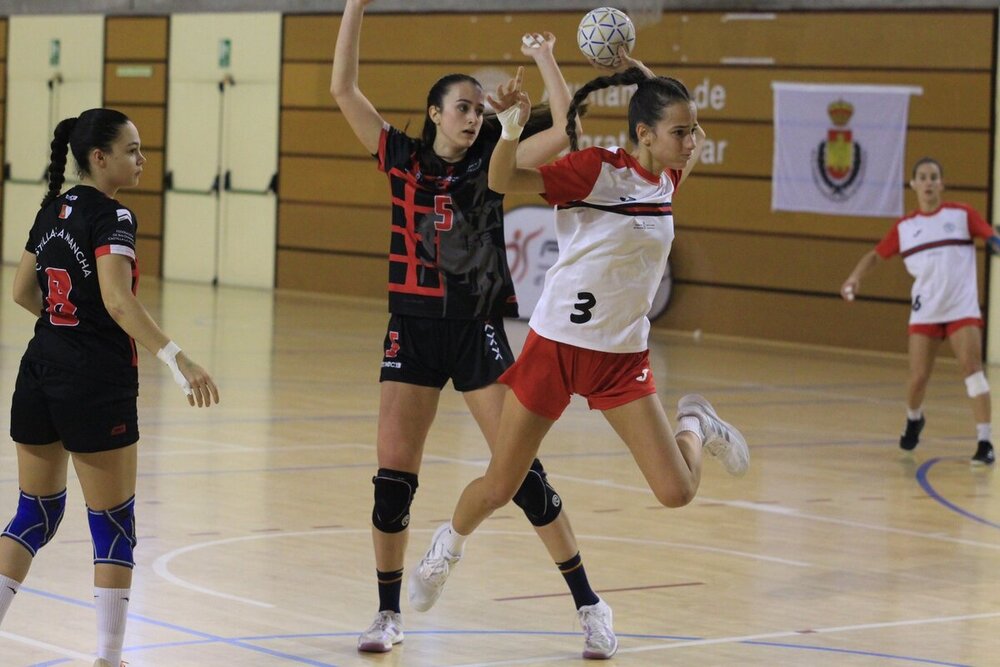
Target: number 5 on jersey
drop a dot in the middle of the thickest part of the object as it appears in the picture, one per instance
(442, 208)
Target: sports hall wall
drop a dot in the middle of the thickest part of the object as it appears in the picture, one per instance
(739, 268)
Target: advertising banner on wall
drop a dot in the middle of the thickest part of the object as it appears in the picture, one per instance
(839, 149)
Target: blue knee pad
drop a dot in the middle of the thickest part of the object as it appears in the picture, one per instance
(536, 497)
(113, 533)
(36, 520)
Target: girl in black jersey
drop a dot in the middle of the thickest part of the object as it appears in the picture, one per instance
(449, 289)
(76, 389)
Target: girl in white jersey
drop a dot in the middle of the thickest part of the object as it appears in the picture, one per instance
(936, 243)
(588, 332)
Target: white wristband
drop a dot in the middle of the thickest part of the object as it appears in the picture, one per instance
(510, 129)
(168, 355)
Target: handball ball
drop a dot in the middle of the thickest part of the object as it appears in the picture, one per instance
(601, 32)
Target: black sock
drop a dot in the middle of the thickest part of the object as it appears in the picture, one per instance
(389, 585)
(576, 578)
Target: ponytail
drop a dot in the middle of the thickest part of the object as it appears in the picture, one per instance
(94, 128)
(57, 161)
(652, 96)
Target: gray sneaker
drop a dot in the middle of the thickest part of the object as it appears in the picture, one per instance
(722, 439)
(427, 579)
(384, 632)
(599, 641)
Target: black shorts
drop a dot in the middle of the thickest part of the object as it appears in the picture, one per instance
(86, 414)
(427, 352)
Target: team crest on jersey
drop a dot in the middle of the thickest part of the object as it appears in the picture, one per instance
(65, 211)
(838, 163)
(125, 215)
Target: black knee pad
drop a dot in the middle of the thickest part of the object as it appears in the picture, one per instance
(394, 491)
(540, 502)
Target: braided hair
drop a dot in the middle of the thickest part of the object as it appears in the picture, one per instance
(652, 96)
(94, 128)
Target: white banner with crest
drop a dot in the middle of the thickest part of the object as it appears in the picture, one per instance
(839, 148)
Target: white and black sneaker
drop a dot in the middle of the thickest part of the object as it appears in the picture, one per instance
(721, 439)
(984, 455)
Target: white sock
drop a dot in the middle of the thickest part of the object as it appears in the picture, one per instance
(8, 589)
(692, 424)
(454, 541)
(112, 609)
(984, 432)
(915, 414)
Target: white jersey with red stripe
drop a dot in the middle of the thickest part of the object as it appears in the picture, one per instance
(939, 252)
(614, 226)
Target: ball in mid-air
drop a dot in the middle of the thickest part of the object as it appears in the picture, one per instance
(602, 31)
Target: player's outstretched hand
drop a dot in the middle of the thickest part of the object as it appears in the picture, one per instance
(510, 94)
(534, 44)
(625, 61)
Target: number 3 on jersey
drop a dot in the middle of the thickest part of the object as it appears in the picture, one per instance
(585, 305)
(442, 207)
(62, 312)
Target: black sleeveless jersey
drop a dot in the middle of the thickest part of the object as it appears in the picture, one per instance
(75, 331)
(447, 254)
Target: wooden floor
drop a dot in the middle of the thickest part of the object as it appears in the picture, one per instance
(253, 517)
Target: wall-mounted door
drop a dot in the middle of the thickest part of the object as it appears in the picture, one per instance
(222, 148)
(55, 69)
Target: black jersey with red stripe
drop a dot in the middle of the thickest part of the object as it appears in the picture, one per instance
(74, 330)
(447, 255)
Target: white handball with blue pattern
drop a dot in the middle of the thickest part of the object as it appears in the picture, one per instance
(602, 32)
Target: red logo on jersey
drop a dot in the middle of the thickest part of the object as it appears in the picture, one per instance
(65, 211)
(393, 345)
(118, 430)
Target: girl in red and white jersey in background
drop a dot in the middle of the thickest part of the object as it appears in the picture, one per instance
(937, 244)
(589, 331)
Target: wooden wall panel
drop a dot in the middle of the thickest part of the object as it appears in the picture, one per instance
(121, 84)
(326, 272)
(148, 209)
(147, 255)
(777, 316)
(741, 269)
(350, 229)
(139, 38)
(135, 81)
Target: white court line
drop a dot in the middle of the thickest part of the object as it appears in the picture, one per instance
(161, 566)
(241, 449)
(69, 653)
(747, 638)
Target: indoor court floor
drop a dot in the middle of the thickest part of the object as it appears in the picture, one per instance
(254, 516)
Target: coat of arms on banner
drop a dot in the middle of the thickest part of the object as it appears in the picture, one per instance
(838, 163)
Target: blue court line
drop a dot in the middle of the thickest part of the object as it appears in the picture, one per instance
(925, 483)
(535, 633)
(206, 637)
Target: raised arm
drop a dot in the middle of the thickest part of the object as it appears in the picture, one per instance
(361, 115)
(513, 108)
(542, 147)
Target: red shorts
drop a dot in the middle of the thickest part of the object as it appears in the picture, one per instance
(547, 373)
(945, 329)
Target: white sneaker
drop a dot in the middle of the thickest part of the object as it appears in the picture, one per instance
(722, 439)
(599, 641)
(385, 631)
(427, 579)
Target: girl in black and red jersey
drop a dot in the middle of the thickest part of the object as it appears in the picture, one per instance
(614, 224)
(937, 244)
(449, 289)
(76, 389)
